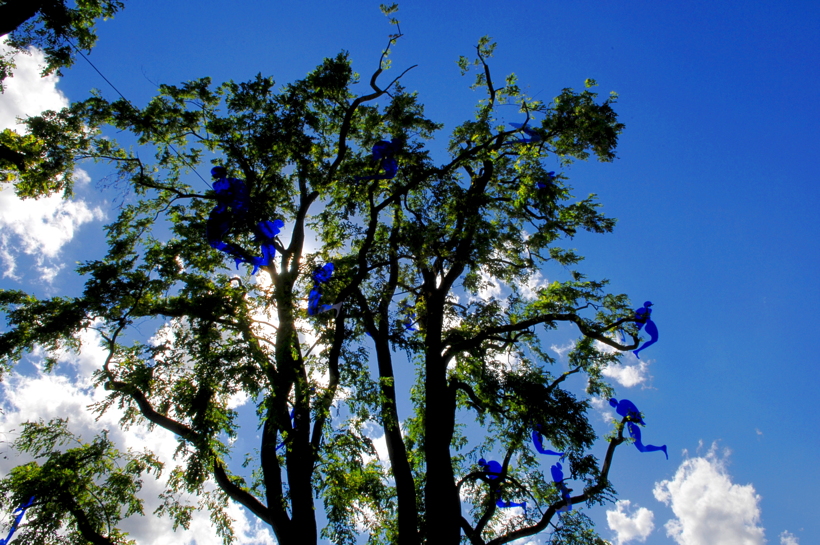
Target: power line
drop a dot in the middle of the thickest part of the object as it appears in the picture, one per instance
(135, 108)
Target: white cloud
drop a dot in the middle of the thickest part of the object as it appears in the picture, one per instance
(39, 227)
(626, 527)
(27, 93)
(788, 538)
(535, 283)
(28, 398)
(627, 375)
(708, 507)
(563, 349)
(602, 406)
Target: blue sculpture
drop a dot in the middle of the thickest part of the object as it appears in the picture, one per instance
(558, 479)
(538, 441)
(493, 471)
(411, 317)
(320, 276)
(550, 179)
(385, 151)
(533, 136)
(21, 510)
(231, 211)
(505, 504)
(492, 468)
(642, 316)
(627, 409)
(635, 433)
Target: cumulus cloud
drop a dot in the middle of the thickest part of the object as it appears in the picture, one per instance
(39, 228)
(627, 528)
(788, 538)
(27, 93)
(708, 506)
(627, 375)
(602, 406)
(55, 395)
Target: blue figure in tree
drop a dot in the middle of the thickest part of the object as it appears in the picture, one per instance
(411, 317)
(550, 179)
(534, 137)
(493, 471)
(20, 511)
(627, 409)
(231, 212)
(320, 276)
(635, 433)
(538, 441)
(505, 504)
(558, 479)
(642, 317)
(385, 152)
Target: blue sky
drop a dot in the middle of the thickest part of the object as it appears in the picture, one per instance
(715, 189)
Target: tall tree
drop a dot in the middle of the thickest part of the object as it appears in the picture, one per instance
(400, 231)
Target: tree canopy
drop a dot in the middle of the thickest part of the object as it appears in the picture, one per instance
(410, 254)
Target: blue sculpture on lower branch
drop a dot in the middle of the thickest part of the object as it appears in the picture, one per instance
(635, 433)
(627, 409)
(493, 470)
(20, 511)
(558, 479)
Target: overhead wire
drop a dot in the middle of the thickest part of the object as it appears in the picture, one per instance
(135, 108)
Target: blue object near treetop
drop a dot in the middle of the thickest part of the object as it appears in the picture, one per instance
(20, 511)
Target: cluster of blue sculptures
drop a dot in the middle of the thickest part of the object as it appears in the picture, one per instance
(231, 213)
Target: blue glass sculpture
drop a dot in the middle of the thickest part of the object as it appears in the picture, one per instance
(558, 479)
(505, 504)
(627, 409)
(642, 316)
(550, 179)
(538, 441)
(533, 136)
(491, 468)
(320, 276)
(231, 211)
(385, 152)
(20, 511)
(411, 317)
(635, 433)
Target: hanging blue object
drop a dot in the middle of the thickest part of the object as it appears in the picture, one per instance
(20, 511)
(642, 317)
(533, 136)
(385, 152)
(635, 433)
(538, 441)
(231, 212)
(558, 479)
(627, 409)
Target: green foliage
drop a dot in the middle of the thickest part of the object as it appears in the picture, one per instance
(83, 492)
(48, 26)
(432, 237)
